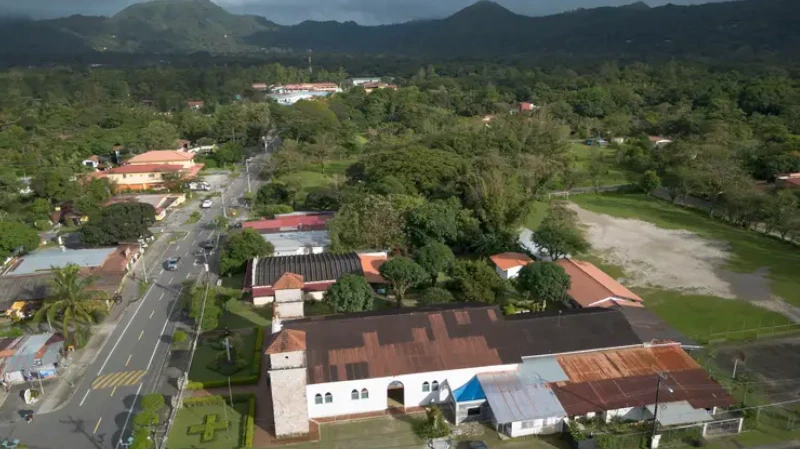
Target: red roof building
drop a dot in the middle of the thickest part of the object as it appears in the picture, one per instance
(317, 222)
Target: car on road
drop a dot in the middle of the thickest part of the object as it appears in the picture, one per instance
(172, 263)
(478, 445)
(207, 244)
(199, 253)
(206, 204)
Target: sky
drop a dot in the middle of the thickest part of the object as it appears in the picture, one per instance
(287, 12)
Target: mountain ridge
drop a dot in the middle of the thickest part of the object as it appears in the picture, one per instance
(485, 29)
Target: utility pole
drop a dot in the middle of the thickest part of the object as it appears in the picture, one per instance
(247, 173)
(735, 365)
(224, 211)
(144, 268)
(659, 377)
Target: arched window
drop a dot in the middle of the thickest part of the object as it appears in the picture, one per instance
(318, 399)
(354, 395)
(364, 393)
(435, 386)
(328, 398)
(426, 387)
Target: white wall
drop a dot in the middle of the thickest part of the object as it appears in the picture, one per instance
(413, 394)
(289, 295)
(508, 274)
(262, 300)
(289, 309)
(629, 413)
(546, 426)
(287, 360)
(298, 251)
(315, 295)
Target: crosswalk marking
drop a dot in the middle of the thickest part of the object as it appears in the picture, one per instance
(118, 379)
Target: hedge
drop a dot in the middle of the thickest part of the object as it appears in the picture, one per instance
(246, 380)
(203, 401)
(257, 352)
(249, 427)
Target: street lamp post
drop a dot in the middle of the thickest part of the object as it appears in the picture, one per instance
(659, 378)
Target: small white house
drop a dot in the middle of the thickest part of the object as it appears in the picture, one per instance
(508, 265)
(299, 243)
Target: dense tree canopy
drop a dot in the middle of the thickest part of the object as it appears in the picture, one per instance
(242, 247)
(543, 281)
(351, 293)
(119, 223)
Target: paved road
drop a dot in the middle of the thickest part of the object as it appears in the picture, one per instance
(99, 411)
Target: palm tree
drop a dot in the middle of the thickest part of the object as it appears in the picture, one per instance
(72, 299)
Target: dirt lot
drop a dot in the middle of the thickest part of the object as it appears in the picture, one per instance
(658, 257)
(776, 363)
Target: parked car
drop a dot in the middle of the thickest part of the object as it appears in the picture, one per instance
(207, 244)
(206, 204)
(172, 263)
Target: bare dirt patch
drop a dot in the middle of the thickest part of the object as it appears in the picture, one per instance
(656, 257)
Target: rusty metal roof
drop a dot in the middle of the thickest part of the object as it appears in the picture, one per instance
(604, 365)
(394, 342)
(693, 386)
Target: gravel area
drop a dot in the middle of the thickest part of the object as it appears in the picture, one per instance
(658, 257)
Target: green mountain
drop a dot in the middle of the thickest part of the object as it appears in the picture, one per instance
(744, 29)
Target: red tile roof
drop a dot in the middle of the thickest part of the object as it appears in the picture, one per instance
(305, 222)
(287, 340)
(161, 156)
(288, 281)
(507, 261)
(590, 284)
(370, 264)
(143, 168)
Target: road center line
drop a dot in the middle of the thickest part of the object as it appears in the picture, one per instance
(162, 296)
(129, 360)
(133, 406)
(171, 279)
(97, 426)
(151, 314)
(84, 398)
(125, 329)
(141, 334)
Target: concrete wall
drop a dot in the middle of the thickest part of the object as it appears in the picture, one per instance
(342, 403)
(289, 309)
(262, 300)
(287, 360)
(536, 427)
(289, 401)
(291, 295)
(317, 296)
(628, 413)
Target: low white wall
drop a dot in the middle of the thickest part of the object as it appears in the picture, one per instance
(537, 426)
(413, 396)
(262, 300)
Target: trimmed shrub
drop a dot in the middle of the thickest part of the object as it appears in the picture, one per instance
(153, 401)
(249, 427)
(179, 337)
(203, 401)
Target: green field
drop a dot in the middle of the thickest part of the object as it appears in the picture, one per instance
(311, 176)
(702, 317)
(582, 154)
(206, 353)
(180, 437)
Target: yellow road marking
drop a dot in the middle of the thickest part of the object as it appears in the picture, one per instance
(129, 360)
(118, 379)
(97, 426)
(141, 334)
(112, 391)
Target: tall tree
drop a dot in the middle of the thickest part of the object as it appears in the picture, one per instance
(118, 223)
(559, 233)
(475, 281)
(73, 299)
(16, 238)
(242, 247)
(434, 258)
(402, 273)
(544, 281)
(351, 293)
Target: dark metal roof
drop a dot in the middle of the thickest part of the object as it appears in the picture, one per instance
(693, 386)
(394, 342)
(313, 267)
(649, 327)
(24, 288)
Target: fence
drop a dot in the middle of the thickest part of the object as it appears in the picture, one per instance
(745, 333)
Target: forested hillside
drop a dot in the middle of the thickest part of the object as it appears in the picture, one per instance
(737, 30)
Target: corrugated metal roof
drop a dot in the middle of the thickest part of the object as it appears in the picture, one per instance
(313, 267)
(680, 412)
(614, 364)
(650, 327)
(292, 241)
(542, 370)
(513, 399)
(45, 259)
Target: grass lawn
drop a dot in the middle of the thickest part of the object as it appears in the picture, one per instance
(205, 354)
(179, 437)
(312, 177)
(389, 432)
(235, 281)
(238, 314)
(582, 154)
(749, 250)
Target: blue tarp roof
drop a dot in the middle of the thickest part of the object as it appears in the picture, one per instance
(470, 391)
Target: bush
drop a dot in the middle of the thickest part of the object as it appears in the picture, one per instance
(257, 353)
(179, 337)
(434, 426)
(435, 295)
(270, 210)
(153, 401)
(145, 419)
(509, 309)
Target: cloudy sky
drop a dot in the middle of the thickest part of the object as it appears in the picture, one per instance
(368, 12)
